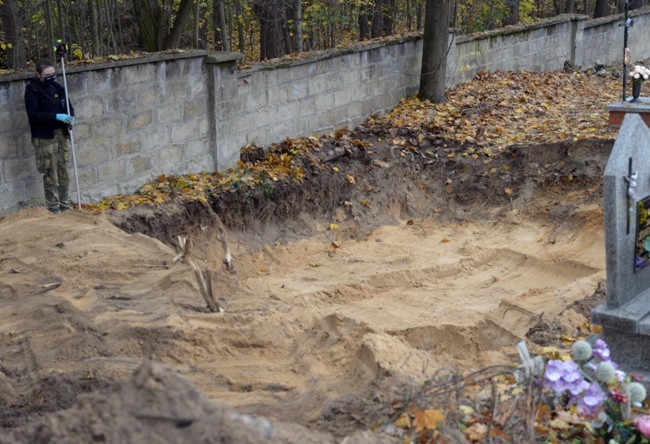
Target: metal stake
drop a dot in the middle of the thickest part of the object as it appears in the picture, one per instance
(74, 157)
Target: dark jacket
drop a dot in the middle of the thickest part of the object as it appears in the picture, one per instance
(42, 107)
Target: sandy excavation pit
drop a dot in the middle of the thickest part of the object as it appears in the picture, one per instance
(313, 316)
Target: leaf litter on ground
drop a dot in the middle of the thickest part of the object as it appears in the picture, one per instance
(484, 116)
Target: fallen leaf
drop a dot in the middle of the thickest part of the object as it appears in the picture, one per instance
(477, 432)
(427, 420)
(403, 422)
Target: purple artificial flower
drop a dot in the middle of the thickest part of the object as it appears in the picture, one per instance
(564, 375)
(591, 400)
(601, 350)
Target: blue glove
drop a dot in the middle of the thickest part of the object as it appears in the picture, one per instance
(64, 118)
(71, 120)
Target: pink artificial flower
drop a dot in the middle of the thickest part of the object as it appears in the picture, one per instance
(643, 425)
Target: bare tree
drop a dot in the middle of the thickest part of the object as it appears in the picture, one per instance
(601, 9)
(434, 51)
(270, 14)
(155, 23)
(219, 25)
(297, 24)
(13, 33)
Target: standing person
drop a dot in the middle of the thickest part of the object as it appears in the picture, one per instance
(45, 102)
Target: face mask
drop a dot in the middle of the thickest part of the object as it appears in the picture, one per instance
(49, 79)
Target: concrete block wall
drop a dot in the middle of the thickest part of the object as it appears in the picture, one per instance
(542, 46)
(193, 111)
(266, 104)
(603, 38)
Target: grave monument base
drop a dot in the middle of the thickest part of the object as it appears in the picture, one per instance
(626, 330)
(618, 110)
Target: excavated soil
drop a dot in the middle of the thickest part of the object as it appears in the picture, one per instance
(342, 289)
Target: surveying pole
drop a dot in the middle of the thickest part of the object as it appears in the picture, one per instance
(61, 49)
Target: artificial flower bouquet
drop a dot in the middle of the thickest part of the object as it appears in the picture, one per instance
(591, 383)
(639, 73)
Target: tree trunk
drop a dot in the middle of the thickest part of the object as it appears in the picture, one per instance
(94, 26)
(570, 6)
(61, 12)
(286, 34)
(173, 40)
(377, 29)
(50, 31)
(364, 23)
(241, 35)
(149, 17)
(109, 25)
(388, 10)
(269, 13)
(219, 24)
(601, 9)
(297, 25)
(434, 51)
(513, 12)
(13, 30)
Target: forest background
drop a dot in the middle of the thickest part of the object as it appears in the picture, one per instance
(260, 29)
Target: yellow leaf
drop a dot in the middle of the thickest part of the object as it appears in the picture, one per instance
(559, 424)
(403, 422)
(508, 191)
(427, 420)
(466, 410)
(351, 179)
(335, 169)
(334, 227)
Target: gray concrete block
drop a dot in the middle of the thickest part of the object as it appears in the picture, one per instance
(169, 155)
(126, 148)
(183, 131)
(194, 149)
(101, 80)
(148, 98)
(11, 94)
(139, 165)
(194, 109)
(15, 170)
(107, 128)
(91, 155)
(139, 121)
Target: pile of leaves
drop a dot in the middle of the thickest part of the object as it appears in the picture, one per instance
(482, 118)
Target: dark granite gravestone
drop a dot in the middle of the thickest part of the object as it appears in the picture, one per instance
(625, 317)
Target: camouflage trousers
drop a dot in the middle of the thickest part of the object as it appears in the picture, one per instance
(52, 161)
